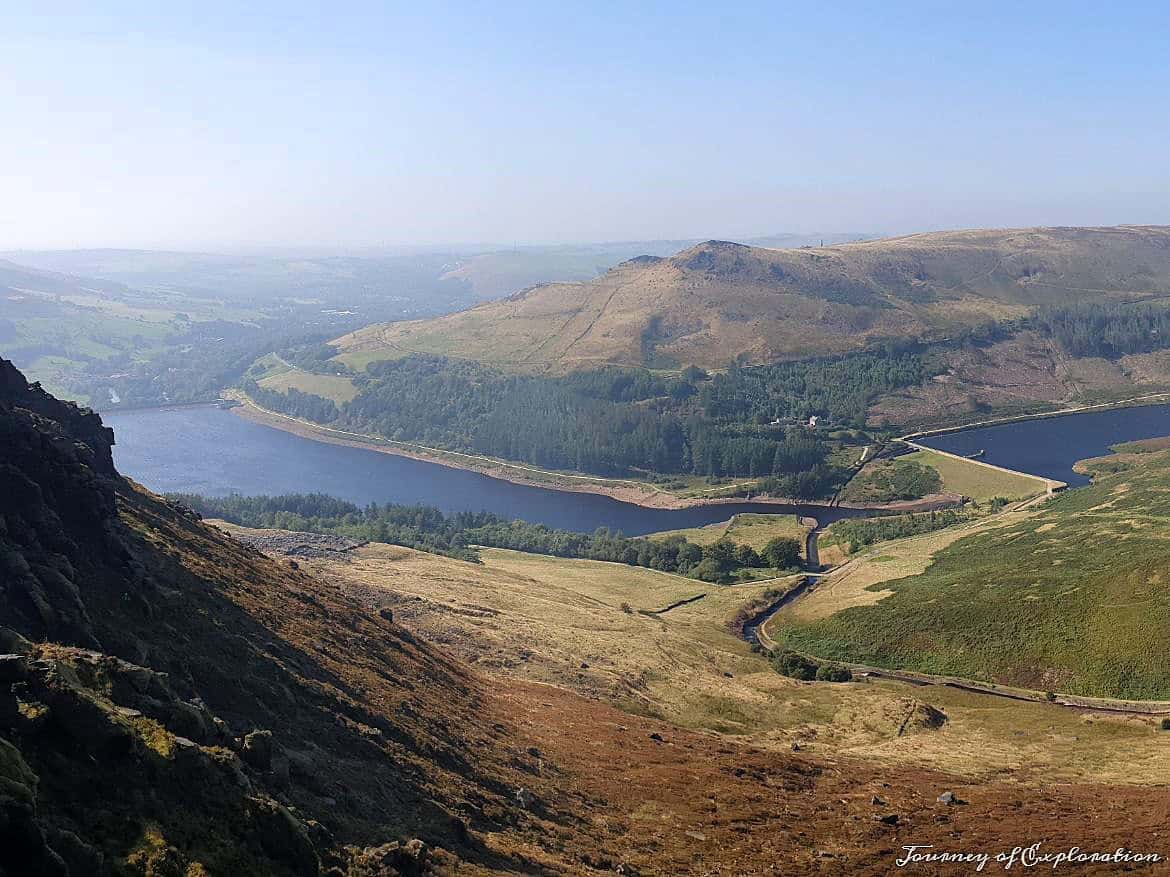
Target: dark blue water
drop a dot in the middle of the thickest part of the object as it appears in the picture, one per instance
(1049, 446)
(211, 451)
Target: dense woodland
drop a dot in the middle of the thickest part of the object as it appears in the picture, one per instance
(623, 422)
(619, 421)
(427, 529)
(1108, 330)
(837, 388)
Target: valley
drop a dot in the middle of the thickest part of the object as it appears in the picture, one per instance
(564, 623)
(580, 440)
(1053, 596)
(518, 714)
(570, 549)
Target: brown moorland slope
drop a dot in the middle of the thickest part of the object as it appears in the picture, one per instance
(174, 703)
(173, 698)
(720, 300)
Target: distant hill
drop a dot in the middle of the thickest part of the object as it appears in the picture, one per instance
(16, 280)
(717, 300)
(355, 281)
(503, 272)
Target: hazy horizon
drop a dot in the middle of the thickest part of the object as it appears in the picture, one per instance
(284, 126)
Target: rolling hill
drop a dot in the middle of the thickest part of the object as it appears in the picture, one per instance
(717, 300)
(499, 273)
(1067, 596)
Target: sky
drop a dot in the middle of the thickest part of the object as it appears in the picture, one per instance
(213, 126)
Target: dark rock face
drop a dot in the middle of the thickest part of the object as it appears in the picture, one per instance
(171, 699)
(57, 500)
(80, 425)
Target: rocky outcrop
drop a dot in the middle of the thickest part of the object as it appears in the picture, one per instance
(174, 702)
(57, 501)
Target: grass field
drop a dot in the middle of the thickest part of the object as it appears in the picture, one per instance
(1068, 597)
(980, 483)
(755, 530)
(336, 387)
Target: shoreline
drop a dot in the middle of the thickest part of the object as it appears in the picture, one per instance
(627, 491)
(1148, 399)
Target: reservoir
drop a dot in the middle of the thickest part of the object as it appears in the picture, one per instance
(1049, 446)
(209, 450)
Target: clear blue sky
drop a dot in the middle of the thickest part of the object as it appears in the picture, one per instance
(201, 125)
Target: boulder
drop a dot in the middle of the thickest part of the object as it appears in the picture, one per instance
(257, 750)
(191, 719)
(86, 722)
(24, 849)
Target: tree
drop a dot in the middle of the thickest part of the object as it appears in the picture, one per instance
(782, 552)
(796, 666)
(827, 673)
(722, 553)
(745, 555)
(689, 554)
(709, 571)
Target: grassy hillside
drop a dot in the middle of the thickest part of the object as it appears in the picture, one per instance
(175, 703)
(1070, 598)
(717, 300)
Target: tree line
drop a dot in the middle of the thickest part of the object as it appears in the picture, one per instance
(426, 528)
(309, 406)
(856, 534)
(620, 421)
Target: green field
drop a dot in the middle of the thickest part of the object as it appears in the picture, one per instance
(1070, 598)
(336, 387)
(980, 483)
